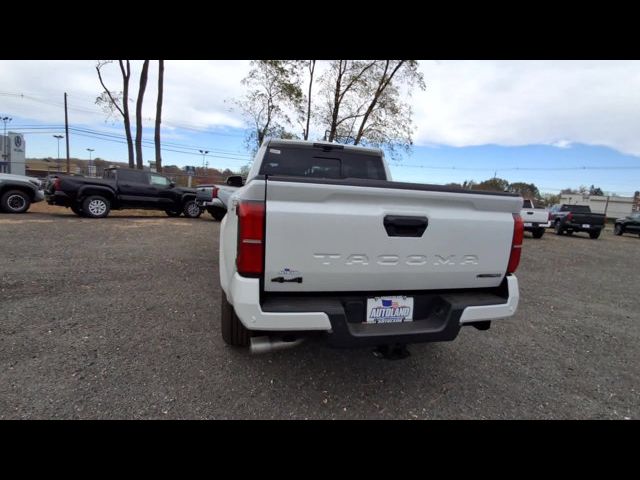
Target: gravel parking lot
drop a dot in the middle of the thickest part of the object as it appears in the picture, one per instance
(119, 318)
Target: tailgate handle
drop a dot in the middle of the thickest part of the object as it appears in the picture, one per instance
(529, 213)
(402, 226)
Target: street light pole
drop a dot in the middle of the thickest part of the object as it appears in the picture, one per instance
(203, 152)
(58, 137)
(90, 150)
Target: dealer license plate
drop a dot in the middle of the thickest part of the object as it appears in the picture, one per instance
(393, 309)
(527, 224)
(586, 225)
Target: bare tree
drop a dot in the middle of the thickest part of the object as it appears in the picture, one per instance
(274, 91)
(341, 78)
(117, 101)
(159, 114)
(143, 86)
(389, 70)
(312, 66)
(364, 102)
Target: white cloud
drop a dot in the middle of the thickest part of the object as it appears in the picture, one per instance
(530, 102)
(194, 91)
(466, 103)
(562, 144)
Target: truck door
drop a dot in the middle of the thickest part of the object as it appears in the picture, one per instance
(163, 194)
(134, 189)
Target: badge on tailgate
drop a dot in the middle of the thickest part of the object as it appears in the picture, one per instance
(288, 275)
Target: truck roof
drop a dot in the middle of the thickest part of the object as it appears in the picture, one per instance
(309, 143)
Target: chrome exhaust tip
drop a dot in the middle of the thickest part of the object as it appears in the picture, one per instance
(266, 344)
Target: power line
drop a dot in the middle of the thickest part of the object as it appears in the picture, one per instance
(223, 153)
(183, 125)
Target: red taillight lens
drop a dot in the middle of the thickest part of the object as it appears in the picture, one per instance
(549, 217)
(214, 192)
(569, 217)
(250, 257)
(56, 184)
(516, 243)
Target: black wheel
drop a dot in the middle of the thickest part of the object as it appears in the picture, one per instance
(557, 228)
(217, 213)
(15, 201)
(96, 206)
(595, 234)
(191, 209)
(173, 213)
(617, 230)
(77, 210)
(538, 232)
(233, 332)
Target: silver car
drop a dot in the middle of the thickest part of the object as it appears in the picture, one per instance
(18, 192)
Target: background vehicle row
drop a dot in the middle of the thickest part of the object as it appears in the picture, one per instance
(121, 188)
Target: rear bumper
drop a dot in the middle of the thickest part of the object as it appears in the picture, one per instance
(58, 198)
(38, 197)
(577, 227)
(529, 226)
(438, 316)
(215, 203)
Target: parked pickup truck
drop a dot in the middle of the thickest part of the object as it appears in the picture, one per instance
(320, 239)
(121, 188)
(215, 198)
(535, 219)
(628, 224)
(18, 192)
(567, 219)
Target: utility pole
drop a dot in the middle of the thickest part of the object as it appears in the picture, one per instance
(66, 130)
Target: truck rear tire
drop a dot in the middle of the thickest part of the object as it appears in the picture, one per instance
(538, 232)
(557, 228)
(595, 234)
(96, 206)
(15, 201)
(233, 332)
(217, 213)
(77, 210)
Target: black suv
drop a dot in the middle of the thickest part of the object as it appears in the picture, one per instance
(121, 188)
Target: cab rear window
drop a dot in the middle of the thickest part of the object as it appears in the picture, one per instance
(321, 163)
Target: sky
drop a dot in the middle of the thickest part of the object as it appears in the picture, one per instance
(555, 123)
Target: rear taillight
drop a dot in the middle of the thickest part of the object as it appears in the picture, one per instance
(569, 217)
(250, 259)
(56, 184)
(516, 243)
(214, 192)
(549, 217)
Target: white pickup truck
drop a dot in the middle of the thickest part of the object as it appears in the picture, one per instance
(536, 220)
(215, 197)
(320, 240)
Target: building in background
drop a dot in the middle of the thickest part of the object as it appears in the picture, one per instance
(13, 153)
(612, 206)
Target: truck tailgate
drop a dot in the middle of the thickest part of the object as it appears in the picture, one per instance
(534, 216)
(593, 219)
(338, 236)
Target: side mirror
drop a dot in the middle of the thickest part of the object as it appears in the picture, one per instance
(172, 184)
(235, 181)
